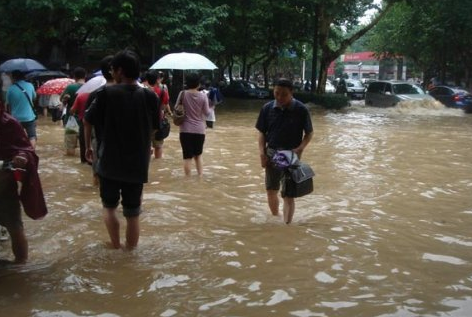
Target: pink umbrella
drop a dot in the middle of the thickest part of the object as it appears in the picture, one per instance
(54, 86)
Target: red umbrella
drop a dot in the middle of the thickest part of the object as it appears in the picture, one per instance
(54, 86)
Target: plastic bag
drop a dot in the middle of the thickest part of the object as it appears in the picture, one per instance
(72, 126)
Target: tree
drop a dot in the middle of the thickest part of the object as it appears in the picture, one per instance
(432, 36)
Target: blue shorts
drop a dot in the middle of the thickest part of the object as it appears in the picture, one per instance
(30, 128)
(192, 144)
(110, 191)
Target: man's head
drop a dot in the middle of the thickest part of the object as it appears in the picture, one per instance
(125, 66)
(17, 75)
(283, 91)
(79, 73)
(151, 77)
(105, 67)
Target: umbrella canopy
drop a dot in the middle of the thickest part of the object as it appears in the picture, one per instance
(183, 61)
(92, 84)
(22, 64)
(54, 86)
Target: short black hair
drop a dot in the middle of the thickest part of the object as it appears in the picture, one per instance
(79, 73)
(128, 61)
(105, 65)
(151, 77)
(192, 80)
(17, 75)
(284, 82)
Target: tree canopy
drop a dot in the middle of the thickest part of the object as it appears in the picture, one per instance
(256, 35)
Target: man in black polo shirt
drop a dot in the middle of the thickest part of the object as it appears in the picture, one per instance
(124, 116)
(283, 124)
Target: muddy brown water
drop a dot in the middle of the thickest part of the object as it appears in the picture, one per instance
(387, 231)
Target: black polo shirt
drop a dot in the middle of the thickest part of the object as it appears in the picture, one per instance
(124, 117)
(284, 127)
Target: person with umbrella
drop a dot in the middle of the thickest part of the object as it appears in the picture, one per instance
(192, 130)
(68, 97)
(20, 103)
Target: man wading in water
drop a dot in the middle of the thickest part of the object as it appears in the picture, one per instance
(283, 124)
(124, 116)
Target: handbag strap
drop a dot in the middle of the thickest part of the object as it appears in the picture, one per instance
(26, 94)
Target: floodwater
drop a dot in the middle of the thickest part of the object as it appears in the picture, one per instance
(387, 231)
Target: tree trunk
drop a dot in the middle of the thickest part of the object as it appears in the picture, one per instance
(314, 62)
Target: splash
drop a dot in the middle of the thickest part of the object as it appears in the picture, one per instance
(425, 107)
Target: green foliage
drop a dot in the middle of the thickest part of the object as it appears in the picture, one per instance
(432, 35)
(327, 101)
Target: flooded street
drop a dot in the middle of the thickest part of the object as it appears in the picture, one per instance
(386, 232)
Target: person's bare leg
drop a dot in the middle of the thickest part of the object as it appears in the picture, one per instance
(158, 152)
(289, 209)
(187, 166)
(33, 143)
(273, 200)
(132, 232)
(113, 226)
(19, 244)
(199, 164)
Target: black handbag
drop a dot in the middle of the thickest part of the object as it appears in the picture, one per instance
(164, 129)
(298, 180)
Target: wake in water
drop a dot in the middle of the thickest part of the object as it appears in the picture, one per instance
(425, 107)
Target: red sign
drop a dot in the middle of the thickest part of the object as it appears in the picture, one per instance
(359, 57)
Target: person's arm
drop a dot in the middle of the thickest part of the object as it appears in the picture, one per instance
(262, 145)
(306, 139)
(206, 106)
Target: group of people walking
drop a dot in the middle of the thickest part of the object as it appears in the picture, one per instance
(123, 119)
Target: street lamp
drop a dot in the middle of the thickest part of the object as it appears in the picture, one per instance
(359, 66)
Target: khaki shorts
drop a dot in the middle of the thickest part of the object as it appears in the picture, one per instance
(70, 141)
(10, 210)
(157, 143)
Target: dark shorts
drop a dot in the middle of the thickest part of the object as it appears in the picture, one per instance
(30, 128)
(274, 177)
(192, 144)
(10, 210)
(110, 191)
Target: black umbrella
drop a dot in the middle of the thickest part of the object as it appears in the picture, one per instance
(22, 64)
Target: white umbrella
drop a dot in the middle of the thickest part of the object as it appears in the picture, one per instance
(92, 84)
(183, 61)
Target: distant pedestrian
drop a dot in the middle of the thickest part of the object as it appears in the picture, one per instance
(20, 103)
(214, 98)
(124, 116)
(68, 98)
(192, 131)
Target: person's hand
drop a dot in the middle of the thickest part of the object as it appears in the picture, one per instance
(298, 151)
(89, 155)
(264, 160)
(19, 161)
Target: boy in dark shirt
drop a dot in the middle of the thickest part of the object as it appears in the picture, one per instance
(125, 117)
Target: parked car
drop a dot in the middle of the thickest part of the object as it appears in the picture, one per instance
(453, 97)
(244, 89)
(385, 93)
(353, 88)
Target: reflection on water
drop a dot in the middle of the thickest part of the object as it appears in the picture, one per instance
(385, 233)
